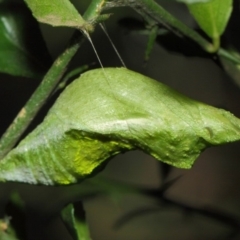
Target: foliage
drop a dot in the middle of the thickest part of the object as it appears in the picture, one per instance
(105, 111)
(212, 16)
(19, 56)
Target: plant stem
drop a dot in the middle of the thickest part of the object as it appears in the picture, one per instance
(49, 82)
(38, 98)
(229, 56)
(94, 10)
(151, 9)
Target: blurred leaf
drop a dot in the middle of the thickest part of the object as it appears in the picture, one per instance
(17, 201)
(56, 13)
(99, 186)
(6, 231)
(16, 209)
(212, 16)
(112, 188)
(22, 49)
(78, 229)
(105, 112)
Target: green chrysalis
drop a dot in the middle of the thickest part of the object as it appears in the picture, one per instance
(112, 110)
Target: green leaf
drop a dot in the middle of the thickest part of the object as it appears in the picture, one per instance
(77, 228)
(113, 110)
(212, 16)
(57, 13)
(22, 49)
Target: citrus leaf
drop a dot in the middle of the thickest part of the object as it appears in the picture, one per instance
(212, 16)
(56, 13)
(112, 110)
(22, 49)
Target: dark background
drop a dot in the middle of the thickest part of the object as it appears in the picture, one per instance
(202, 203)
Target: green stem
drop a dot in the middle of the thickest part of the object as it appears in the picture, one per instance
(227, 55)
(49, 82)
(151, 9)
(151, 40)
(38, 98)
(94, 10)
(216, 44)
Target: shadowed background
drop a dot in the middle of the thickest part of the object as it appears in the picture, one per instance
(202, 203)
